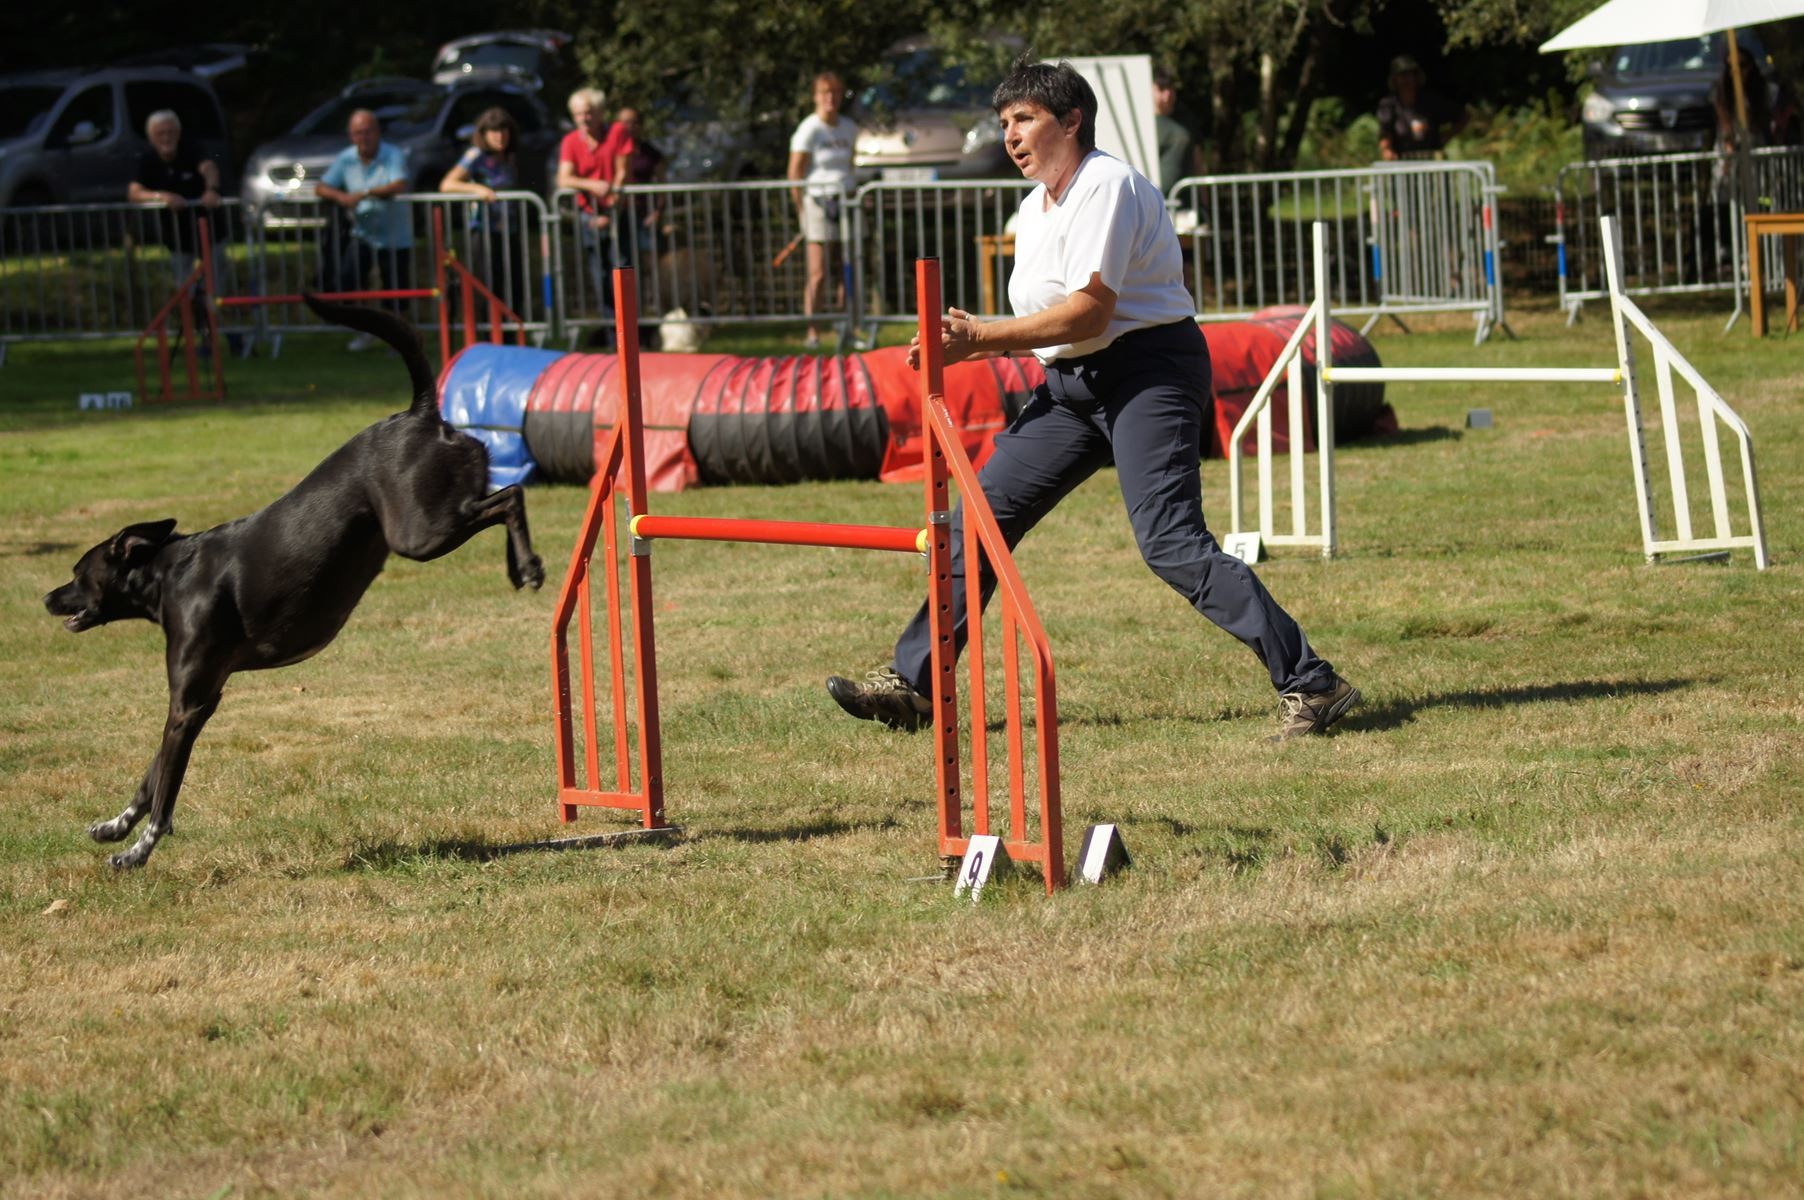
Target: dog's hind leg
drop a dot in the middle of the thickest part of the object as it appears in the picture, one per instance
(116, 829)
(424, 541)
(187, 716)
(523, 566)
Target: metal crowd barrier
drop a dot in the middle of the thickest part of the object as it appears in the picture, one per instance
(722, 253)
(308, 244)
(1681, 222)
(76, 272)
(1405, 237)
(965, 225)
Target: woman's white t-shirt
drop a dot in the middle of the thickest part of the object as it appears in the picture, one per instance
(829, 151)
(1111, 222)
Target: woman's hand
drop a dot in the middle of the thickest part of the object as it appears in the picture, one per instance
(958, 336)
(484, 192)
(958, 339)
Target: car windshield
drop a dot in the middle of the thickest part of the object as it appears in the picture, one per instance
(22, 109)
(920, 79)
(1670, 58)
(512, 56)
(401, 113)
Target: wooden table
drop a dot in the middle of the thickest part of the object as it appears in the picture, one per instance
(991, 248)
(1787, 226)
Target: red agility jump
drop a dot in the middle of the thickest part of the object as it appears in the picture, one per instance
(622, 463)
(445, 261)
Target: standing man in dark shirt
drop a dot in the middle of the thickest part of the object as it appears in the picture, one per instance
(1414, 122)
(1179, 154)
(172, 173)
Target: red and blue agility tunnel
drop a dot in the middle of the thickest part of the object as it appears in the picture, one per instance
(715, 418)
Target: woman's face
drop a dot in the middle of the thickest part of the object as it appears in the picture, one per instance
(495, 141)
(1040, 144)
(826, 99)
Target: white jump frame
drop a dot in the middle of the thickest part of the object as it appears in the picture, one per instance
(1625, 314)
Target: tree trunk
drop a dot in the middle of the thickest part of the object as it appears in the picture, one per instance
(1309, 85)
(1268, 110)
(1224, 116)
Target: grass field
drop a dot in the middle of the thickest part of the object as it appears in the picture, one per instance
(1528, 924)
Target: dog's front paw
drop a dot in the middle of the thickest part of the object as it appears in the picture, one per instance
(110, 831)
(139, 854)
(532, 574)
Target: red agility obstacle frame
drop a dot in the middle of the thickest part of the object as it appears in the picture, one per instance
(159, 325)
(946, 461)
(445, 263)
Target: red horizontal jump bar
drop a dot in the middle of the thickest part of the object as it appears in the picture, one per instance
(385, 294)
(781, 533)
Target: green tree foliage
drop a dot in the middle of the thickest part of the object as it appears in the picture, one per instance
(735, 51)
(1251, 72)
(1231, 56)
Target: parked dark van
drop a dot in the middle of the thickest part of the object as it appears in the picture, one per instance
(1655, 98)
(74, 136)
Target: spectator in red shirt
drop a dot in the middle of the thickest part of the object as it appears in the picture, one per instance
(586, 165)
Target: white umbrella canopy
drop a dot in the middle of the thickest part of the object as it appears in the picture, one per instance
(1635, 22)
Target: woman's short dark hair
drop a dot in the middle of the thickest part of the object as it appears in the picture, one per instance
(1056, 88)
(493, 119)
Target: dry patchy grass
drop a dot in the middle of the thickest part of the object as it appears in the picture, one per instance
(1528, 925)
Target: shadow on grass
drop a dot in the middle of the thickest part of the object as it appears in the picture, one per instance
(1396, 713)
(34, 549)
(1115, 720)
(802, 833)
(1406, 437)
(1393, 713)
(387, 855)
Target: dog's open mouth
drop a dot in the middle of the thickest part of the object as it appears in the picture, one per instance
(77, 621)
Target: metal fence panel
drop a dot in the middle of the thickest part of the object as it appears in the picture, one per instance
(103, 270)
(728, 252)
(966, 225)
(1402, 237)
(1408, 237)
(307, 244)
(1680, 217)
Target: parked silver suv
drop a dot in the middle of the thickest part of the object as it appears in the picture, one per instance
(430, 124)
(74, 136)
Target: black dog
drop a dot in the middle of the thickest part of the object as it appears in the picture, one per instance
(275, 587)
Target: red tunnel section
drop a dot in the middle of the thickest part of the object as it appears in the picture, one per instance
(719, 419)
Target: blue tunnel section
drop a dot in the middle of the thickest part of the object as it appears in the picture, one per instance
(483, 391)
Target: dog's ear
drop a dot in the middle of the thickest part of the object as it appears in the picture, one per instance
(136, 543)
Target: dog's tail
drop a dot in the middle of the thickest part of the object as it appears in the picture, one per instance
(381, 323)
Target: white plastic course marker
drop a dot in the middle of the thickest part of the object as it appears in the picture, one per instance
(1103, 854)
(118, 399)
(985, 859)
(1248, 547)
(91, 400)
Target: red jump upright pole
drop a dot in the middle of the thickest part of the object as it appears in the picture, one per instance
(632, 435)
(983, 543)
(944, 685)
